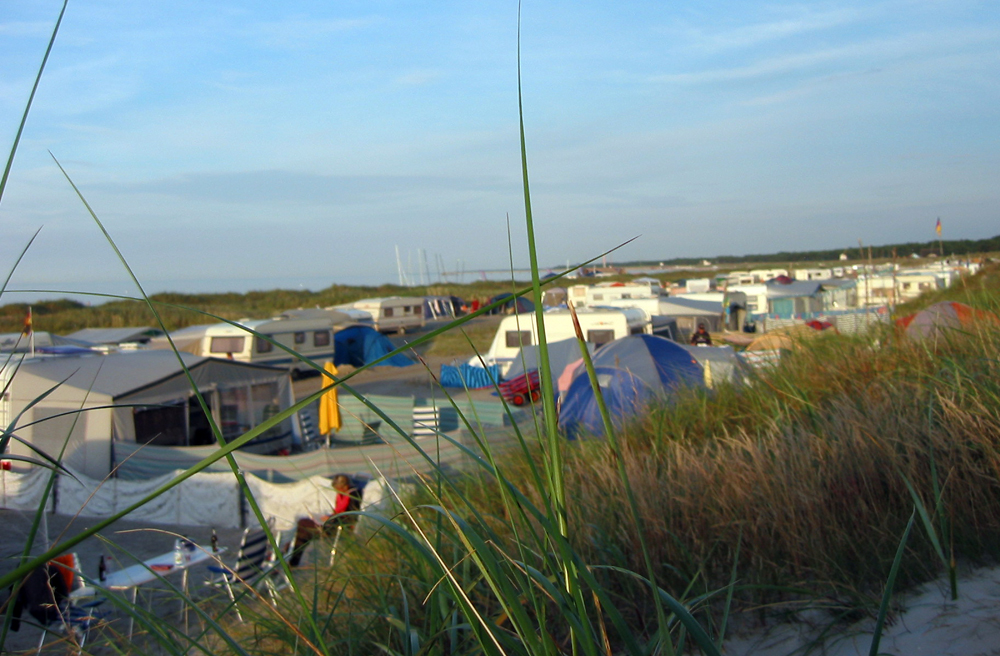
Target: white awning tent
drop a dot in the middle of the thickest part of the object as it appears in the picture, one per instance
(690, 312)
(141, 396)
(116, 336)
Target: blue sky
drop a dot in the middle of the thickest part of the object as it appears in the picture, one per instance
(238, 145)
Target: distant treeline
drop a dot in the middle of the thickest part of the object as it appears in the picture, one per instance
(179, 310)
(951, 247)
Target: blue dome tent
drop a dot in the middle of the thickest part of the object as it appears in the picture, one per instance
(630, 371)
(359, 345)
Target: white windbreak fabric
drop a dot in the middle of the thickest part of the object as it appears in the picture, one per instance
(288, 502)
(381, 497)
(202, 500)
(23, 491)
(205, 499)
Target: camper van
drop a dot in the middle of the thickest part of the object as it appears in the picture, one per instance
(599, 326)
(312, 337)
(613, 294)
(393, 314)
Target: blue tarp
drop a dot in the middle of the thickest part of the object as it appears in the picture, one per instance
(630, 371)
(359, 345)
(466, 375)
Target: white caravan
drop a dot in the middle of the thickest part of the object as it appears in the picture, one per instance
(311, 337)
(599, 326)
(393, 314)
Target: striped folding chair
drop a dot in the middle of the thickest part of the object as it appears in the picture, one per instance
(251, 564)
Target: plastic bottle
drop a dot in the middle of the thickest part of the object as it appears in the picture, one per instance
(178, 556)
(215, 542)
(102, 570)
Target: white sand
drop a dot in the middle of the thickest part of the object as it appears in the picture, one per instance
(930, 624)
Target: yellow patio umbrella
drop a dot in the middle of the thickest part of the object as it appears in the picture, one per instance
(329, 411)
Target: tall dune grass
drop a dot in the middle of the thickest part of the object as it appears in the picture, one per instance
(807, 469)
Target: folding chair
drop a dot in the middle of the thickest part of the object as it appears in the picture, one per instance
(74, 613)
(250, 566)
(273, 574)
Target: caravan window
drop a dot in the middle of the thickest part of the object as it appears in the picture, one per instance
(226, 345)
(518, 338)
(321, 338)
(598, 337)
(264, 346)
(300, 338)
(636, 330)
(387, 312)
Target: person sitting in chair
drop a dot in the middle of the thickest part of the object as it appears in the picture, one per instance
(701, 337)
(308, 528)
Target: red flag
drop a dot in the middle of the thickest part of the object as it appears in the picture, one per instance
(27, 323)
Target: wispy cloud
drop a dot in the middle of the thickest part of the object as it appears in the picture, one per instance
(417, 78)
(255, 187)
(744, 36)
(301, 32)
(861, 56)
(25, 28)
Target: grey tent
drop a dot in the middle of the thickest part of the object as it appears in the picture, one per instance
(720, 363)
(21, 343)
(689, 313)
(141, 397)
(116, 336)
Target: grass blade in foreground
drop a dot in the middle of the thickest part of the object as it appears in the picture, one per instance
(883, 608)
(31, 98)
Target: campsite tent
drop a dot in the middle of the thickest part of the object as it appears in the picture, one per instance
(768, 348)
(184, 339)
(140, 396)
(561, 354)
(519, 305)
(689, 313)
(554, 297)
(359, 345)
(719, 362)
(442, 307)
(116, 336)
(941, 318)
(21, 343)
(630, 371)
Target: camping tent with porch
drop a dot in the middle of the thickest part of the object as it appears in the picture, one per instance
(360, 345)
(631, 371)
(140, 397)
(941, 319)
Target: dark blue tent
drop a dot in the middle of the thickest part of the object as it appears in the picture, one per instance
(519, 305)
(630, 372)
(359, 345)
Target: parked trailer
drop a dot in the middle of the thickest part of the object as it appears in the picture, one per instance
(599, 326)
(393, 314)
(310, 337)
